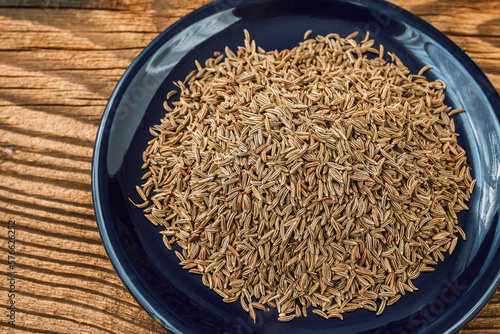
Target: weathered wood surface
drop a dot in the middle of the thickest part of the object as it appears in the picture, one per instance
(59, 62)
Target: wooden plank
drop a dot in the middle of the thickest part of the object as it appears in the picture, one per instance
(59, 62)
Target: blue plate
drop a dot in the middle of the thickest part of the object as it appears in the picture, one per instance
(448, 298)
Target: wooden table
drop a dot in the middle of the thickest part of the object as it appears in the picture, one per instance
(59, 63)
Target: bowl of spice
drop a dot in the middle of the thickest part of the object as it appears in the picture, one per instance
(287, 166)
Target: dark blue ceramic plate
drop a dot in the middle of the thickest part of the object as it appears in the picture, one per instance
(448, 298)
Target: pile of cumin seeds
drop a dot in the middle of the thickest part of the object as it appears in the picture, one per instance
(317, 179)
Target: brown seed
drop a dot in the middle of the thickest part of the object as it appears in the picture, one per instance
(286, 318)
(320, 313)
(455, 112)
(171, 93)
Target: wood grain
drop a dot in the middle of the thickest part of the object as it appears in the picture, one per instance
(59, 63)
